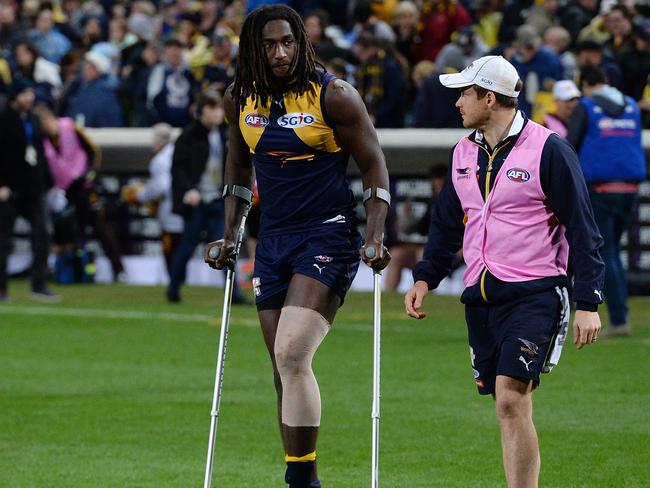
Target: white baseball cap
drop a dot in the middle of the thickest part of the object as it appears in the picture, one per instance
(493, 73)
(565, 90)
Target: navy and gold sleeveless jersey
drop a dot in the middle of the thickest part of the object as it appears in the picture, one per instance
(299, 165)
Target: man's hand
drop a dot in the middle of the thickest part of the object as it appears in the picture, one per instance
(5, 193)
(225, 248)
(375, 255)
(586, 328)
(192, 198)
(414, 298)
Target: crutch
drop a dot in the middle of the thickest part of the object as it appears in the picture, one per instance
(223, 341)
(370, 253)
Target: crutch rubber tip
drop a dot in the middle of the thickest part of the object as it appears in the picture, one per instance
(370, 252)
(214, 252)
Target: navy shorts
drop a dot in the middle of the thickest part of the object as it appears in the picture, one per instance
(329, 255)
(519, 339)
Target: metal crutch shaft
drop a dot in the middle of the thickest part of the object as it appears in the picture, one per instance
(221, 354)
(376, 377)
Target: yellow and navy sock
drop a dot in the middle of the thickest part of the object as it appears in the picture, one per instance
(299, 470)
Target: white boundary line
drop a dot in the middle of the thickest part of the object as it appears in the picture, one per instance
(97, 313)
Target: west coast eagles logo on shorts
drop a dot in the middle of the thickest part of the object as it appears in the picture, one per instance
(256, 286)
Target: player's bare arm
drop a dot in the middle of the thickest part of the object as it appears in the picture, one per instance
(238, 171)
(356, 133)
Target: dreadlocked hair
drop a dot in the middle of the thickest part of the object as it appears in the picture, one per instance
(253, 76)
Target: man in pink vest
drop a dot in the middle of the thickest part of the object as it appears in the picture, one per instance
(515, 200)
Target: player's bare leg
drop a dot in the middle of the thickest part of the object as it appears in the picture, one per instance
(317, 299)
(514, 407)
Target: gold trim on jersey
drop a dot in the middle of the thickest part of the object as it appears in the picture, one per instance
(303, 115)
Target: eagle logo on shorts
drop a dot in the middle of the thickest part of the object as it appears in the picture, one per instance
(529, 347)
(323, 259)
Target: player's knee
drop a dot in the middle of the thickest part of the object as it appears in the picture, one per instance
(510, 406)
(290, 360)
(300, 332)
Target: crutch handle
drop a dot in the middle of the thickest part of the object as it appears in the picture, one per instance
(214, 252)
(370, 252)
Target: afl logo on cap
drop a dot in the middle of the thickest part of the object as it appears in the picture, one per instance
(256, 121)
(518, 175)
(294, 120)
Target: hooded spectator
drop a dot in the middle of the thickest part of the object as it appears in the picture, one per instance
(92, 100)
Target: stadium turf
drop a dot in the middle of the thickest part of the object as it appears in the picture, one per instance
(112, 388)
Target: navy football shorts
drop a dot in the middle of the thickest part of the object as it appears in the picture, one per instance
(329, 255)
(519, 339)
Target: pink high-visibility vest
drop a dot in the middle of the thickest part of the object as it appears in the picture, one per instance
(513, 234)
(70, 161)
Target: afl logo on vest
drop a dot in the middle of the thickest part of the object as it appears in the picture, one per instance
(256, 121)
(518, 175)
(295, 120)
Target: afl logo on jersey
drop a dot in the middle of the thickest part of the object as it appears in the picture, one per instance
(295, 120)
(256, 121)
(518, 175)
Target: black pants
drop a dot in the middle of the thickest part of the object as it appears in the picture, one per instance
(35, 211)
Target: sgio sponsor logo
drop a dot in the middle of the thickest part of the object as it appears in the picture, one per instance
(256, 121)
(294, 120)
(518, 175)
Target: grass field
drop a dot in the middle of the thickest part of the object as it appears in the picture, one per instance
(112, 388)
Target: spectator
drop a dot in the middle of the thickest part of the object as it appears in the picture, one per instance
(538, 67)
(170, 87)
(635, 62)
(158, 191)
(92, 32)
(435, 105)
(558, 40)
(466, 47)
(366, 21)
(514, 15)
(380, 82)
(326, 49)
(439, 19)
(605, 129)
(219, 71)
(72, 157)
(41, 72)
(92, 100)
(578, 15)
(11, 29)
(543, 15)
(590, 53)
(618, 24)
(119, 35)
(197, 182)
(24, 181)
(565, 96)
(50, 42)
(405, 25)
(644, 103)
(209, 15)
(488, 20)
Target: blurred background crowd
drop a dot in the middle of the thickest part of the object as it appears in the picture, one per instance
(133, 64)
(67, 65)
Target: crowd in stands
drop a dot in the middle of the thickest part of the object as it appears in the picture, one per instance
(107, 63)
